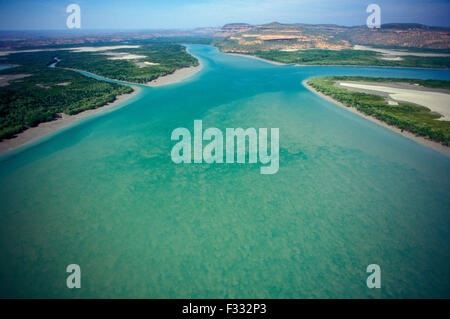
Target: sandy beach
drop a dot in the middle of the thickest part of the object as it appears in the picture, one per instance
(175, 77)
(43, 129)
(399, 53)
(257, 58)
(436, 100)
(434, 145)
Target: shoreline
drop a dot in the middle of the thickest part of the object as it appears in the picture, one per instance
(257, 58)
(33, 133)
(419, 139)
(373, 66)
(43, 129)
(177, 76)
(345, 65)
(102, 77)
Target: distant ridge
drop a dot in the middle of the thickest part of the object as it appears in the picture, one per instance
(236, 25)
(244, 37)
(232, 28)
(241, 37)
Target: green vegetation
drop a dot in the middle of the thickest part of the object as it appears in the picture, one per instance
(46, 92)
(169, 58)
(410, 49)
(331, 44)
(350, 57)
(416, 119)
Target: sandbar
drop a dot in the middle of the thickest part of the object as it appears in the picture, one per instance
(436, 101)
(419, 139)
(257, 58)
(176, 76)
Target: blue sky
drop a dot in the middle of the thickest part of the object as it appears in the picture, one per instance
(169, 14)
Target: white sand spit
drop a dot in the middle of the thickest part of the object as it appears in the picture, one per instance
(76, 49)
(397, 58)
(432, 144)
(436, 101)
(104, 48)
(399, 52)
(127, 57)
(177, 76)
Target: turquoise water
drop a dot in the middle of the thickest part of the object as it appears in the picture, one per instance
(5, 66)
(105, 194)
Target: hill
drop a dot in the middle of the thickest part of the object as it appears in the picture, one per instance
(277, 36)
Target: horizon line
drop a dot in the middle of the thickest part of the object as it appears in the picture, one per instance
(205, 27)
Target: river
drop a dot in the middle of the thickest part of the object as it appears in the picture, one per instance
(105, 194)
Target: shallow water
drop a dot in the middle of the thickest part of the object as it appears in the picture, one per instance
(105, 194)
